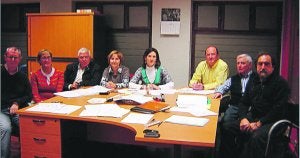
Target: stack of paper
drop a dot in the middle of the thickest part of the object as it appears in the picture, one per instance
(108, 110)
(82, 92)
(54, 108)
(184, 101)
(191, 91)
(162, 91)
(185, 120)
(141, 99)
(196, 111)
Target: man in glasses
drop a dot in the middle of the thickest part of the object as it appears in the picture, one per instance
(261, 106)
(15, 94)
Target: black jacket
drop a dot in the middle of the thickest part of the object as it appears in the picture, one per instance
(267, 99)
(90, 77)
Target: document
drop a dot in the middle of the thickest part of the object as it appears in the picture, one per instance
(191, 91)
(185, 120)
(137, 118)
(140, 99)
(129, 91)
(82, 92)
(97, 100)
(184, 101)
(162, 91)
(196, 111)
(105, 110)
(54, 108)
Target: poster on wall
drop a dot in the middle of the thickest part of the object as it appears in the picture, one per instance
(170, 21)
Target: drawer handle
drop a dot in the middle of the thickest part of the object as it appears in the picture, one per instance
(39, 121)
(41, 140)
(39, 156)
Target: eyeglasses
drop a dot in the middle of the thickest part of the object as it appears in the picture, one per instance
(46, 58)
(264, 63)
(84, 57)
(12, 57)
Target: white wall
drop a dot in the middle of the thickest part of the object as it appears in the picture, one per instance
(174, 51)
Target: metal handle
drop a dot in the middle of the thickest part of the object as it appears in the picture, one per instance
(39, 140)
(39, 156)
(38, 121)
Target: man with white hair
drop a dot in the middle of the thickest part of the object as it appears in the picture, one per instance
(85, 72)
(237, 85)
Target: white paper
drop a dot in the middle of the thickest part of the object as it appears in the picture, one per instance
(134, 97)
(137, 118)
(108, 110)
(191, 91)
(133, 91)
(170, 27)
(54, 108)
(97, 100)
(196, 111)
(82, 92)
(185, 120)
(162, 91)
(184, 101)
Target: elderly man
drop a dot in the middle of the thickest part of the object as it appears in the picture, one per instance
(85, 72)
(15, 94)
(261, 106)
(237, 85)
(210, 73)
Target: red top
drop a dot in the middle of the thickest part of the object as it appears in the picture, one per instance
(41, 90)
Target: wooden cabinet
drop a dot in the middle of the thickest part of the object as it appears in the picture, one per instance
(64, 34)
(40, 137)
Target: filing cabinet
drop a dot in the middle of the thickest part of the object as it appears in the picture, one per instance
(40, 137)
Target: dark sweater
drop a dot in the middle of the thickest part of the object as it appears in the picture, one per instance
(14, 88)
(267, 99)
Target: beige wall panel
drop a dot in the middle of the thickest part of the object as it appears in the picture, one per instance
(133, 46)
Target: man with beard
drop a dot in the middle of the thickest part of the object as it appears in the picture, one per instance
(260, 107)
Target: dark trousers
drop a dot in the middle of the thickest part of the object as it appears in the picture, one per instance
(235, 144)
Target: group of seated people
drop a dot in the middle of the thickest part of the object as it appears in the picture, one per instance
(257, 97)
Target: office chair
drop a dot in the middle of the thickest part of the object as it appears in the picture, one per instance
(283, 137)
(224, 102)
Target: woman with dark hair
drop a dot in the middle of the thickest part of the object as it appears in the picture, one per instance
(151, 75)
(47, 80)
(115, 75)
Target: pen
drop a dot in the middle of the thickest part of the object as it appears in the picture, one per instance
(153, 122)
(110, 99)
(165, 108)
(160, 123)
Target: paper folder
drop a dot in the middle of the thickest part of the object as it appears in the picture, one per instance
(150, 107)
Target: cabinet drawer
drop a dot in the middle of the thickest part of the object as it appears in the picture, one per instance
(32, 154)
(40, 143)
(42, 125)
